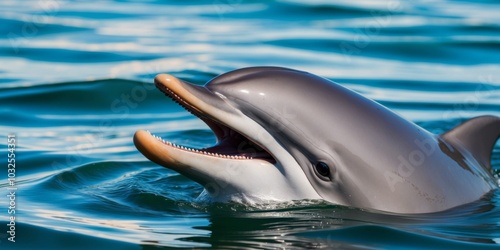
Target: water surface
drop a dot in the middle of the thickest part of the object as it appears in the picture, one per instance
(76, 83)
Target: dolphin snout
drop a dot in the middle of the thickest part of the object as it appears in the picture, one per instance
(166, 80)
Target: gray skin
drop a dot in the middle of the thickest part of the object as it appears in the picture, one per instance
(376, 159)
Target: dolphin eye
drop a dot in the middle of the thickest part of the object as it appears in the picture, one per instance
(322, 169)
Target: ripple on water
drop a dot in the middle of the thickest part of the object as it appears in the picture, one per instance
(76, 83)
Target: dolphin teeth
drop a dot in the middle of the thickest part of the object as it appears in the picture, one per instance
(200, 151)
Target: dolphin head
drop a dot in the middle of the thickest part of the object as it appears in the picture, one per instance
(280, 133)
(288, 135)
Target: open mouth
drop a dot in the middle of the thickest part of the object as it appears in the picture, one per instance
(231, 144)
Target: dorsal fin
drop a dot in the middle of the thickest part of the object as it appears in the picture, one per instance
(478, 136)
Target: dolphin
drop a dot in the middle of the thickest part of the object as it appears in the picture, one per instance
(284, 134)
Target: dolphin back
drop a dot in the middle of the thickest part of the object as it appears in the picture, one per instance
(477, 136)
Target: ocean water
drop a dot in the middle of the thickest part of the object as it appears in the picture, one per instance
(76, 83)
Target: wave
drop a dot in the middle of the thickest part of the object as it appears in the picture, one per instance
(76, 82)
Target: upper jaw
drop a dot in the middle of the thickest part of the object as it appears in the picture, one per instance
(217, 114)
(271, 175)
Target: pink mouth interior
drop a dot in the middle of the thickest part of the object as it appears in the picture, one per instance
(230, 143)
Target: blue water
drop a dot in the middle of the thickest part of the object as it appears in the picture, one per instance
(76, 83)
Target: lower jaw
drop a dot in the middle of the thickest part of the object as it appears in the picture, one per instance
(223, 151)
